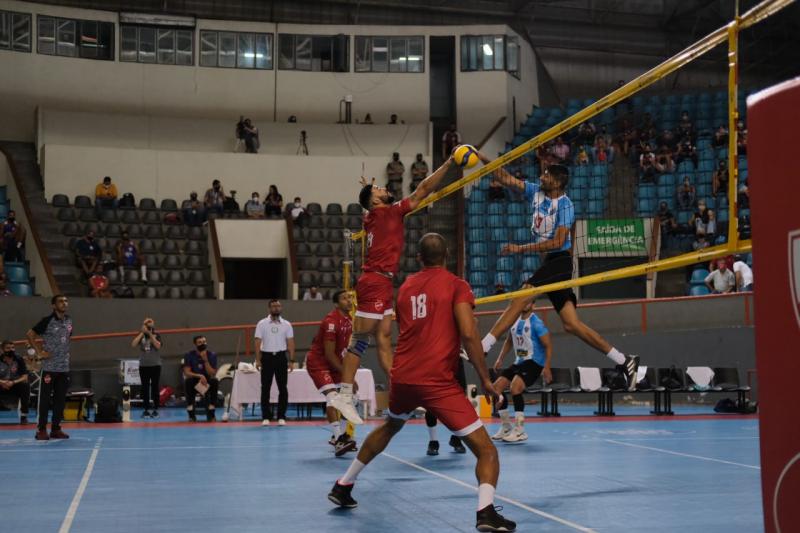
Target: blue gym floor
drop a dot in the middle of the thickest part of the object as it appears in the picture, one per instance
(640, 474)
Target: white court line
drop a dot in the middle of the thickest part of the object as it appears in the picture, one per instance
(682, 454)
(76, 500)
(521, 505)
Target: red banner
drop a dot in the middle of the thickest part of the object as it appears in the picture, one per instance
(774, 186)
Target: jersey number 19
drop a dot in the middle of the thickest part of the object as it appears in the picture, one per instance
(419, 308)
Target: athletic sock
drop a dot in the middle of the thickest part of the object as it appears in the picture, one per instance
(350, 476)
(487, 342)
(433, 433)
(519, 418)
(519, 403)
(346, 388)
(342, 426)
(485, 495)
(505, 417)
(616, 356)
(336, 429)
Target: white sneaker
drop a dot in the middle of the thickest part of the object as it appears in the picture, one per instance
(281, 422)
(516, 435)
(505, 429)
(265, 422)
(343, 403)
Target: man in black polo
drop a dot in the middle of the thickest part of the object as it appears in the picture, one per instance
(55, 331)
(14, 378)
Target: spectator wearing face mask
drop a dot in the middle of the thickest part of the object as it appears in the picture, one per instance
(14, 379)
(298, 212)
(193, 210)
(719, 180)
(199, 374)
(720, 139)
(273, 204)
(686, 194)
(686, 150)
(253, 208)
(99, 285)
(647, 168)
(214, 199)
(105, 195)
(13, 238)
(394, 175)
(704, 220)
(88, 253)
(419, 171)
(129, 256)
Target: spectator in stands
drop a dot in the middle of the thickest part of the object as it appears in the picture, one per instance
(273, 203)
(237, 147)
(741, 138)
(719, 180)
(368, 119)
(704, 220)
(647, 124)
(497, 192)
(214, 198)
(230, 205)
(312, 293)
(686, 150)
(129, 256)
(292, 119)
(586, 133)
(199, 374)
(393, 119)
(253, 208)
(743, 197)
(607, 138)
(603, 153)
(582, 157)
(560, 150)
(194, 212)
(664, 162)
(394, 175)
(628, 138)
(667, 138)
(298, 212)
(722, 279)
(252, 142)
(419, 171)
(499, 288)
(647, 167)
(99, 285)
(720, 139)
(14, 378)
(88, 253)
(744, 275)
(13, 238)
(685, 126)
(450, 140)
(700, 243)
(666, 220)
(686, 194)
(4, 285)
(105, 195)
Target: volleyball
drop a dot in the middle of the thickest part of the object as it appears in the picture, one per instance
(466, 156)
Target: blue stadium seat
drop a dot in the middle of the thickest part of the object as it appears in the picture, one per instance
(742, 163)
(477, 195)
(698, 276)
(530, 262)
(665, 191)
(685, 166)
(578, 194)
(516, 208)
(499, 234)
(647, 190)
(480, 291)
(684, 216)
(749, 260)
(476, 208)
(20, 289)
(722, 153)
(667, 179)
(477, 234)
(476, 279)
(722, 215)
(478, 248)
(496, 208)
(595, 208)
(3, 197)
(598, 181)
(478, 263)
(579, 171)
(483, 184)
(711, 202)
(703, 190)
(505, 264)
(580, 207)
(515, 221)
(504, 278)
(706, 165)
(721, 239)
(3, 211)
(579, 182)
(703, 177)
(597, 193)
(599, 170)
(522, 235)
(699, 290)
(744, 212)
(495, 221)
(476, 221)
(645, 206)
(16, 274)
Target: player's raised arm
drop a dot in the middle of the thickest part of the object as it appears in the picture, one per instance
(472, 345)
(429, 184)
(503, 177)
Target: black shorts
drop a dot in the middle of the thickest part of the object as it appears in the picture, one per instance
(528, 370)
(557, 266)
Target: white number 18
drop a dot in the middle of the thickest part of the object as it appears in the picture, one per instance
(419, 308)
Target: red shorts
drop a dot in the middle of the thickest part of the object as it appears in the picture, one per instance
(325, 379)
(447, 402)
(375, 294)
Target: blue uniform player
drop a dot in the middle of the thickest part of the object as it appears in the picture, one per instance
(551, 226)
(530, 341)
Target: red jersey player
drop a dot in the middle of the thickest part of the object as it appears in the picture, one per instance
(434, 312)
(324, 362)
(383, 224)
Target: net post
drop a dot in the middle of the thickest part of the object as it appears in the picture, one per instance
(733, 118)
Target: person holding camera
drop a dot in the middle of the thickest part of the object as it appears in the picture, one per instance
(251, 140)
(149, 342)
(199, 373)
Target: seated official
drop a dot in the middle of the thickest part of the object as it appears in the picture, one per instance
(14, 379)
(200, 368)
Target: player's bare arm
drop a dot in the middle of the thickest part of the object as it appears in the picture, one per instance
(330, 355)
(502, 176)
(547, 373)
(558, 240)
(503, 352)
(429, 184)
(472, 345)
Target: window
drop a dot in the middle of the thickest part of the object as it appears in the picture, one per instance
(390, 54)
(89, 39)
(156, 44)
(229, 49)
(490, 52)
(316, 53)
(15, 31)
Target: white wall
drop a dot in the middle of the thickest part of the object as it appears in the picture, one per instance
(163, 174)
(252, 239)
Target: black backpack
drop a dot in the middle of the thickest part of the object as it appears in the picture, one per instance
(127, 200)
(107, 410)
(672, 380)
(615, 379)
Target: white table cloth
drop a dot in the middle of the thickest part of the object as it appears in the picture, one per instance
(247, 389)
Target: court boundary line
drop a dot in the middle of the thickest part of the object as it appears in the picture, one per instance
(511, 501)
(681, 454)
(76, 499)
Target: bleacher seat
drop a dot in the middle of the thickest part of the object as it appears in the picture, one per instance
(500, 234)
(83, 202)
(59, 200)
(478, 249)
(597, 193)
(171, 262)
(477, 234)
(698, 276)
(530, 263)
(522, 235)
(496, 208)
(194, 248)
(504, 278)
(478, 195)
(150, 293)
(475, 208)
(326, 264)
(314, 209)
(16, 273)
(505, 264)
(87, 215)
(477, 279)
(667, 180)
(324, 249)
(595, 208)
(478, 263)
(645, 206)
(578, 182)
(316, 235)
(578, 194)
(66, 214)
(683, 216)
(333, 209)
(647, 190)
(168, 205)
(173, 293)
(354, 209)
(20, 289)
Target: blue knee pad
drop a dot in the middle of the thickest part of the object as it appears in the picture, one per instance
(359, 342)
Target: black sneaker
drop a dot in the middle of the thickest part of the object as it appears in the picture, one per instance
(146, 414)
(23, 419)
(192, 417)
(631, 367)
(343, 445)
(488, 519)
(211, 417)
(457, 445)
(433, 447)
(340, 495)
(154, 414)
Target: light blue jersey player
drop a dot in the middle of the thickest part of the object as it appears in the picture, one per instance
(551, 228)
(529, 339)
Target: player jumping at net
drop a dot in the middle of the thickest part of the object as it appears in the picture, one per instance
(324, 364)
(385, 234)
(530, 341)
(553, 218)
(434, 313)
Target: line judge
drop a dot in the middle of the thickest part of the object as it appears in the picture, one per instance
(274, 337)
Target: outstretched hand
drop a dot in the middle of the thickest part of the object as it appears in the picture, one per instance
(364, 183)
(509, 249)
(489, 391)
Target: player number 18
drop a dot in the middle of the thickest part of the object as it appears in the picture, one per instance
(419, 309)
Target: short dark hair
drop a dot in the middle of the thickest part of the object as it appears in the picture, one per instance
(6, 342)
(365, 197)
(560, 173)
(194, 339)
(336, 294)
(432, 249)
(55, 298)
(215, 182)
(107, 178)
(273, 301)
